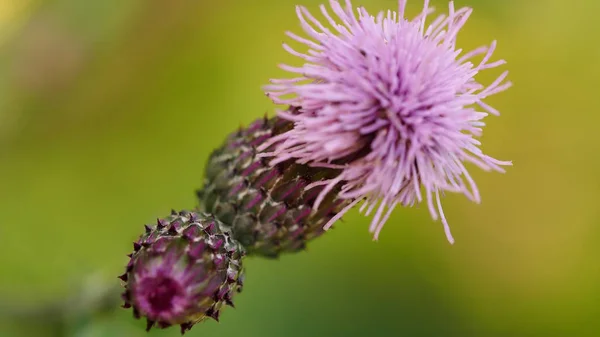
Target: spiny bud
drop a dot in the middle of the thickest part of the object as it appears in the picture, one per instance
(182, 271)
(271, 208)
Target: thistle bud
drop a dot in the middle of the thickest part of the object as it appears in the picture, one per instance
(271, 209)
(182, 270)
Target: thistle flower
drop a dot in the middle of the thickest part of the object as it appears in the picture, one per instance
(182, 271)
(399, 91)
(269, 208)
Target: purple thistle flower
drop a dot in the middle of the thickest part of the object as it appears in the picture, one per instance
(399, 89)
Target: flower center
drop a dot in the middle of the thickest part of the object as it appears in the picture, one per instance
(162, 292)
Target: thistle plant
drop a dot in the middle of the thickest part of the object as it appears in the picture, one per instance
(385, 111)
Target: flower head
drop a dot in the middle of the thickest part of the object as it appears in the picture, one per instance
(182, 271)
(399, 92)
(269, 208)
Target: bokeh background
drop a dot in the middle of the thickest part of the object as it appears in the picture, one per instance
(109, 108)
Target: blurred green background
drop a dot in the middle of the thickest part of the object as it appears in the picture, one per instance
(109, 108)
